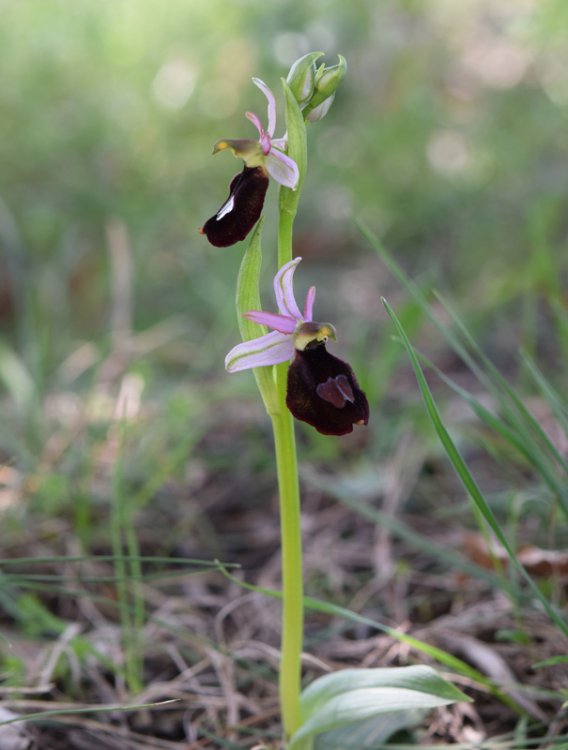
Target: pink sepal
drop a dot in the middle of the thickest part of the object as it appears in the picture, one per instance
(256, 122)
(284, 291)
(270, 349)
(309, 304)
(271, 105)
(282, 323)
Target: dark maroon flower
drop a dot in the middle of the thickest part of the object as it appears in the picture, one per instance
(242, 209)
(323, 391)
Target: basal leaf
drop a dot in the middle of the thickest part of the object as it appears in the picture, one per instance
(370, 734)
(419, 678)
(360, 705)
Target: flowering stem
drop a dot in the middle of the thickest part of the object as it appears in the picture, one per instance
(291, 542)
(285, 224)
(290, 526)
(286, 459)
(273, 391)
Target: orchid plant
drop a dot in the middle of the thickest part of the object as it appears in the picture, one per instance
(298, 377)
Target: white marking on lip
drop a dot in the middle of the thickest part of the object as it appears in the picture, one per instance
(226, 209)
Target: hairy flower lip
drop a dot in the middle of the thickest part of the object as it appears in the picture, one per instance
(323, 391)
(240, 211)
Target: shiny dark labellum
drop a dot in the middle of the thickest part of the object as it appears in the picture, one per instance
(242, 209)
(323, 391)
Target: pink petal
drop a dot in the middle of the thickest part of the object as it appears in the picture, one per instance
(309, 305)
(271, 105)
(284, 291)
(282, 323)
(256, 122)
(280, 143)
(270, 349)
(282, 168)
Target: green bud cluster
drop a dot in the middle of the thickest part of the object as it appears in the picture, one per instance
(315, 87)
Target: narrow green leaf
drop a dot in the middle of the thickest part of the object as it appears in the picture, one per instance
(72, 711)
(416, 292)
(517, 423)
(556, 402)
(111, 558)
(464, 473)
(345, 494)
(554, 661)
(317, 605)
(433, 652)
(518, 439)
(248, 298)
(519, 416)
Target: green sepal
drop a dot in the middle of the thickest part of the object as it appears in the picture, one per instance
(302, 77)
(248, 298)
(326, 84)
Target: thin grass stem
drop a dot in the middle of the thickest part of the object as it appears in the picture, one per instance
(465, 476)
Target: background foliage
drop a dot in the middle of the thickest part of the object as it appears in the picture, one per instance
(447, 139)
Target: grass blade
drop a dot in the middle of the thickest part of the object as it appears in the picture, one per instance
(464, 474)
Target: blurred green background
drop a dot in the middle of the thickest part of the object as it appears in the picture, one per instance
(447, 138)
(121, 432)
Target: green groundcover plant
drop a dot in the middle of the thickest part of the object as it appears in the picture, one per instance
(298, 377)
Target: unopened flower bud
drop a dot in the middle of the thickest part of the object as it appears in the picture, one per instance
(302, 77)
(326, 84)
(328, 81)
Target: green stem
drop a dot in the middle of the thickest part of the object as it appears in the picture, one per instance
(285, 235)
(286, 459)
(292, 576)
(290, 526)
(287, 464)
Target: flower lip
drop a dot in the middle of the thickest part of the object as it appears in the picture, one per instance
(242, 209)
(336, 390)
(323, 391)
